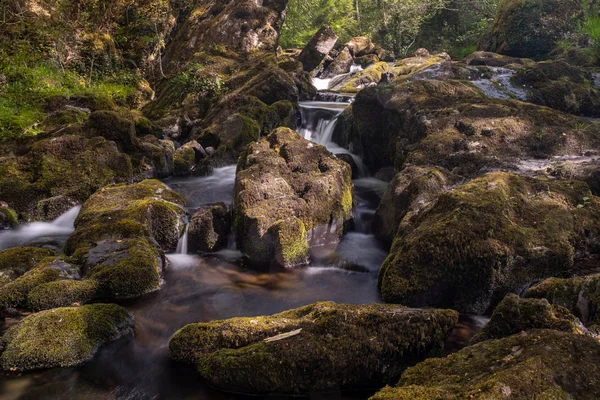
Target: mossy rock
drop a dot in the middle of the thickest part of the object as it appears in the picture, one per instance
(541, 364)
(327, 347)
(580, 295)
(63, 337)
(370, 76)
(488, 237)
(115, 127)
(8, 218)
(531, 28)
(62, 293)
(14, 295)
(17, 261)
(209, 228)
(291, 242)
(148, 208)
(514, 315)
(284, 176)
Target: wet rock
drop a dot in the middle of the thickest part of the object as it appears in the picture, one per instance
(340, 65)
(318, 48)
(114, 127)
(360, 46)
(408, 193)
(531, 28)
(514, 315)
(539, 364)
(350, 160)
(120, 235)
(209, 228)
(580, 295)
(354, 83)
(489, 59)
(63, 337)
(62, 293)
(186, 157)
(368, 60)
(52, 208)
(489, 237)
(157, 157)
(316, 348)
(283, 176)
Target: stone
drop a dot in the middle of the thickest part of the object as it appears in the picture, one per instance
(317, 348)
(284, 176)
(318, 48)
(340, 65)
(209, 228)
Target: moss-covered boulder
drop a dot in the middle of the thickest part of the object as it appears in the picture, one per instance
(316, 348)
(120, 235)
(514, 315)
(70, 165)
(17, 261)
(542, 364)
(340, 65)
(284, 176)
(454, 125)
(209, 228)
(488, 237)
(368, 77)
(14, 295)
(186, 157)
(531, 28)
(409, 192)
(580, 295)
(62, 293)
(561, 86)
(63, 337)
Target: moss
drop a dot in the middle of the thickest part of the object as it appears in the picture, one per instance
(62, 293)
(133, 273)
(17, 261)
(14, 294)
(486, 238)
(371, 75)
(209, 228)
(514, 315)
(8, 218)
(338, 347)
(542, 364)
(62, 337)
(291, 242)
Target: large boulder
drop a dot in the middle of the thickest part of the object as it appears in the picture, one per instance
(285, 177)
(514, 315)
(342, 64)
(316, 348)
(493, 235)
(531, 28)
(543, 364)
(318, 48)
(121, 233)
(16, 261)
(63, 337)
(360, 46)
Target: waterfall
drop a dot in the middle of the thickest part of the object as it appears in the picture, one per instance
(182, 245)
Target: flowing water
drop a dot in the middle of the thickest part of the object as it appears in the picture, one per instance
(216, 286)
(500, 86)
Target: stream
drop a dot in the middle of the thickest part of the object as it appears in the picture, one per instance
(215, 286)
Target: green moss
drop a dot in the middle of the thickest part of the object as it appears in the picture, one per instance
(542, 364)
(291, 242)
(17, 261)
(8, 218)
(133, 274)
(14, 294)
(368, 76)
(514, 315)
(62, 293)
(338, 347)
(62, 337)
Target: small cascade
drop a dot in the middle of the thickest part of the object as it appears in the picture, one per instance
(499, 86)
(355, 68)
(43, 234)
(182, 245)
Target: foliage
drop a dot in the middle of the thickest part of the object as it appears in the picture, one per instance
(400, 25)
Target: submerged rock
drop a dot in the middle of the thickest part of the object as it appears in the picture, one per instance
(542, 364)
(284, 176)
(514, 315)
(316, 348)
(63, 337)
(318, 48)
(488, 237)
(209, 228)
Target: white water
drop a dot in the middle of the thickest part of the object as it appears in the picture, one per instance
(321, 84)
(355, 68)
(45, 234)
(182, 245)
(500, 85)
